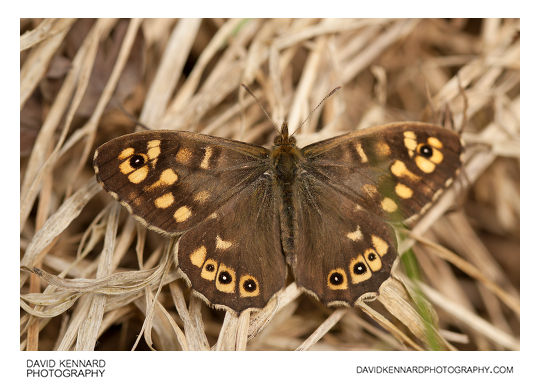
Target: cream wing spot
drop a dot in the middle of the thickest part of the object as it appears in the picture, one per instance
(356, 235)
(205, 163)
(164, 201)
(139, 175)
(437, 156)
(153, 151)
(126, 153)
(389, 205)
(361, 153)
(197, 256)
(222, 244)
(182, 214)
(409, 139)
(382, 149)
(201, 196)
(183, 156)
(399, 169)
(125, 167)
(167, 177)
(424, 164)
(403, 191)
(380, 245)
(433, 141)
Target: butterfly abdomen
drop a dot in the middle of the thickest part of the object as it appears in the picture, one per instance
(285, 160)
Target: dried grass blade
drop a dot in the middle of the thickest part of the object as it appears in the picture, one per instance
(227, 336)
(165, 266)
(396, 300)
(471, 270)
(77, 319)
(87, 336)
(218, 41)
(299, 105)
(397, 31)
(38, 161)
(193, 341)
(46, 29)
(37, 63)
(469, 319)
(169, 334)
(325, 27)
(196, 316)
(386, 324)
(323, 329)
(243, 330)
(91, 127)
(116, 284)
(54, 307)
(68, 211)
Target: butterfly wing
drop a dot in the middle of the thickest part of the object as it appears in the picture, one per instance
(396, 170)
(349, 189)
(343, 252)
(217, 193)
(234, 258)
(171, 180)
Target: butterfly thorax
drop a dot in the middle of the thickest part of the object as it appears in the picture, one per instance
(286, 158)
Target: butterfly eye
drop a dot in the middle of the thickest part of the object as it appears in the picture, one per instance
(336, 278)
(225, 278)
(250, 285)
(136, 161)
(425, 151)
(359, 268)
(373, 259)
(372, 256)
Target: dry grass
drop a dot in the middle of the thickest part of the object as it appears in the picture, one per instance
(103, 282)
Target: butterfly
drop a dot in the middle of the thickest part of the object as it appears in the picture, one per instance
(245, 213)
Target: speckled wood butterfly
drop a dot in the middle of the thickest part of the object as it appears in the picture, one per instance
(244, 212)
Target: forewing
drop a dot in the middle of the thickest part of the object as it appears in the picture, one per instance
(234, 258)
(173, 180)
(396, 170)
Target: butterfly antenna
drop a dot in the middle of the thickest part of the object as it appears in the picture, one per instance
(261, 106)
(132, 118)
(314, 109)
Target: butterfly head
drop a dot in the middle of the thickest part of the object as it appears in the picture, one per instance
(283, 139)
